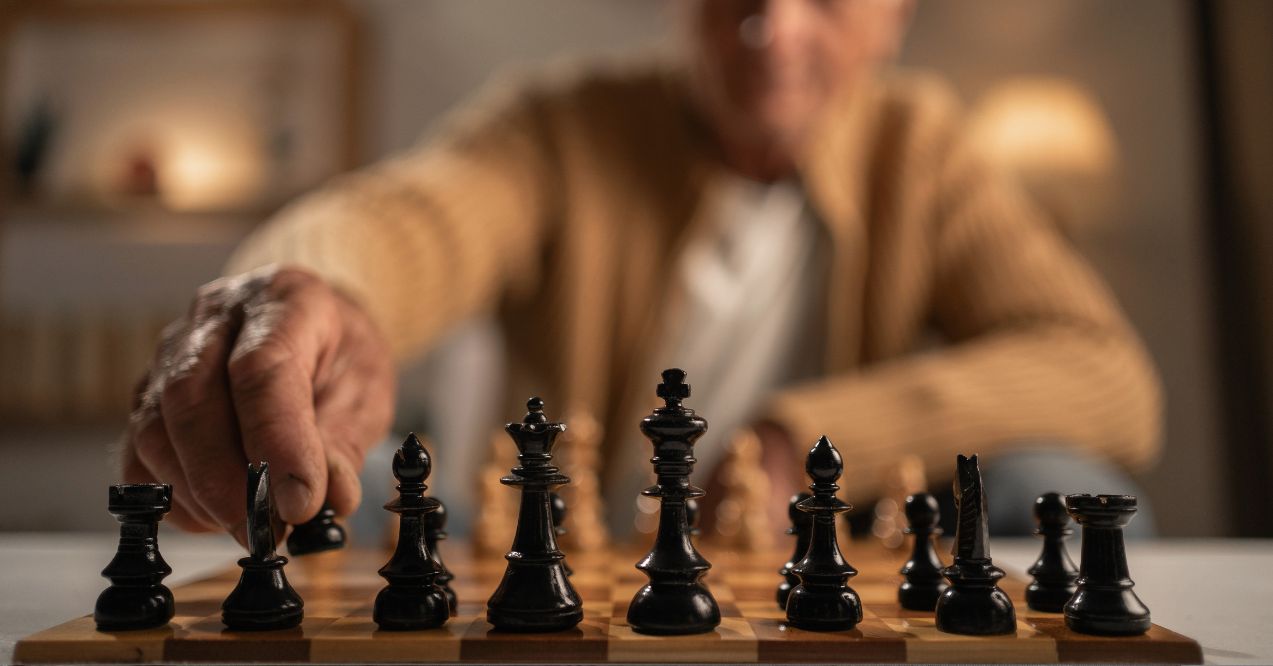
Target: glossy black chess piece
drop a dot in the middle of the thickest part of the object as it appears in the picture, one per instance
(412, 599)
(1053, 573)
(136, 597)
(823, 601)
(559, 523)
(692, 516)
(535, 593)
(1104, 603)
(675, 601)
(435, 531)
(263, 599)
(318, 534)
(922, 582)
(973, 604)
(801, 528)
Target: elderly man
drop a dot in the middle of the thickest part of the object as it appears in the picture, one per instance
(779, 213)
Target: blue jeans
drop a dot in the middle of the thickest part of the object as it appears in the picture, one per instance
(1014, 479)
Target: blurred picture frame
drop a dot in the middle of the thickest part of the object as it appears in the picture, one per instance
(184, 105)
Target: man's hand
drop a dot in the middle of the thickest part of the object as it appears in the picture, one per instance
(271, 365)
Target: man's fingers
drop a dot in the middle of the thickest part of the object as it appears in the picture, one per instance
(150, 459)
(271, 371)
(344, 488)
(352, 415)
(199, 418)
(353, 404)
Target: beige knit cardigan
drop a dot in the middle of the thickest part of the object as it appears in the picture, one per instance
(560, 206)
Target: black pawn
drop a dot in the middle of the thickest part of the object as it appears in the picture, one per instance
(263, 599)
(412, 599)
(535, 594)
(559, 524)
(1104, 603)
(1054, 573)
(922, 582)
(136, 598)
(823, 601)
(318, 534)
(692, 516)
(675, 601)
(435, 531)
(801, 527)
(973, 604)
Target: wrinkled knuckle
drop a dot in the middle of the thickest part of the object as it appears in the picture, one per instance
(251, 368)
(144, 415)
(183, 393)
(215, 290)
(172, 335)
(288, 281)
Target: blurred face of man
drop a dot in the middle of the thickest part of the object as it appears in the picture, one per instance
(765, 69)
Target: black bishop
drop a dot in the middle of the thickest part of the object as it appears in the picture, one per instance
(412, 599)
(823, 601)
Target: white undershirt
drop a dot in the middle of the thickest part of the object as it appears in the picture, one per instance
(748, 325)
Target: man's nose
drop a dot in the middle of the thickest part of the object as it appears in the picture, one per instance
(777, 25)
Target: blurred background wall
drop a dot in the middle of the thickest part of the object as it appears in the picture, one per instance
(1118, 79)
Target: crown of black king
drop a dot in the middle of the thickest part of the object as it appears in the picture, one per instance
(672, 430)
(535, 436)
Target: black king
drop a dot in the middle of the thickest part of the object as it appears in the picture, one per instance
(535, 594)
(675, 601)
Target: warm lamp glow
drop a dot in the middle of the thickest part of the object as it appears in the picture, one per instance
(201, 174)
(1055, 135)
(1044, 124)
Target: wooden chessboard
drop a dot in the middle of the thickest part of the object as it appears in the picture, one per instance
(338, 588)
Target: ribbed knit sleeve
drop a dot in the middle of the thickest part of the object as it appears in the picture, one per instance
(1039, 351)
(434, 235)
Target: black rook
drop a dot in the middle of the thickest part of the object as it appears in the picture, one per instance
(1104, 603)
(136, 599)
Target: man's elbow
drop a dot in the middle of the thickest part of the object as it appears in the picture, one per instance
(1139, 437)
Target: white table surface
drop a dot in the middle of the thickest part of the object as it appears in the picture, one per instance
(1219, 592)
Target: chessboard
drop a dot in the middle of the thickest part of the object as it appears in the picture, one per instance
(339, 586)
